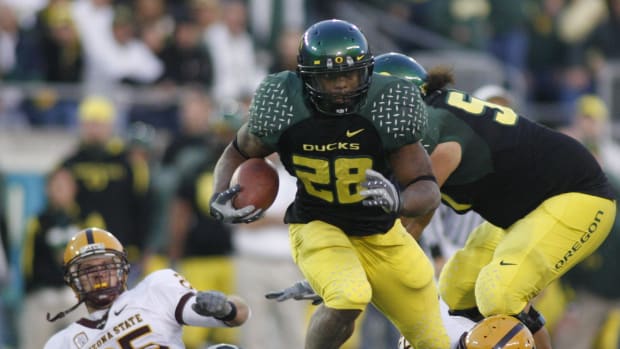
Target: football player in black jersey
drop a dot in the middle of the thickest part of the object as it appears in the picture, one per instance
(352, 140)
(546, 201)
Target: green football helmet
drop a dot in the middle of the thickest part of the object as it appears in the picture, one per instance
(331, 49)
(402, 66)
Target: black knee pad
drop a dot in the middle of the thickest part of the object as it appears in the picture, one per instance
(533, 320)
(472, 313)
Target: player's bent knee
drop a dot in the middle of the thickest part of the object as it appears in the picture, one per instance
(496, 298)
(457, 297)
(351, 298)
(496, 306)
(456, 288)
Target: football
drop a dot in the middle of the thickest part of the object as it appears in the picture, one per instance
(259, 183)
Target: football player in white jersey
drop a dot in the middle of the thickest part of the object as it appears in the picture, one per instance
(150, 315)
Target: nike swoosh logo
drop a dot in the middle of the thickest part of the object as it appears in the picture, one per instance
(506, 263)
(360, 57)
(353, 133)
(117, 313)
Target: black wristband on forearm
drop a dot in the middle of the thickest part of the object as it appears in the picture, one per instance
(232, 315)
(235, 145)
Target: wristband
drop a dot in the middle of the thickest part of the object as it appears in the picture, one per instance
(231, 316)
(235, 145)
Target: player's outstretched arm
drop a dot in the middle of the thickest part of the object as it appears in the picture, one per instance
(243, 311)
(232, 310)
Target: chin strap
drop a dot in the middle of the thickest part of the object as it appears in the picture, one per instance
(63, 313)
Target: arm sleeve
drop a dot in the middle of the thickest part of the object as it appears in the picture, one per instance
(173, 293)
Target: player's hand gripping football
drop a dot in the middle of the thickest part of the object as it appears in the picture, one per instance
(223, 210)
(212, 303)
(380, 192)
(301, 290)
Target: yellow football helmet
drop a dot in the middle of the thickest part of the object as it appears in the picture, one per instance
(498, 332)
(96, 267)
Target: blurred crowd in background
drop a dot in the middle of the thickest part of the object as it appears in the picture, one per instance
(551, 51)
(146, 93)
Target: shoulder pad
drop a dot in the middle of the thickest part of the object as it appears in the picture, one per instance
(396, 108)
(159, 277)
(277, 103)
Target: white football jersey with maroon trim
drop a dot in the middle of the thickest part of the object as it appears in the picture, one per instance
(147, 316)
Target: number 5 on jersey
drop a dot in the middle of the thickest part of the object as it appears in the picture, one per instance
(502, 115)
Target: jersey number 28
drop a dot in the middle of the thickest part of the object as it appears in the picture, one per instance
(339, 180)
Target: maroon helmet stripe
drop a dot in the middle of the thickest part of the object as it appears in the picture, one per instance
(513, 332)
(89, 236)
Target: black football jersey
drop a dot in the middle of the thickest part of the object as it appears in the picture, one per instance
(330, 154)
(509, 164)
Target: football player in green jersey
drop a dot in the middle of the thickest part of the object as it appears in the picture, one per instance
(352, 140)
(546, 201)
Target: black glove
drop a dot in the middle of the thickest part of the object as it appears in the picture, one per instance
(223, 210)
(215, 304)
(380, 192)
(299, 291)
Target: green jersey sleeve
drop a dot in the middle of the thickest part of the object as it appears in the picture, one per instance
(278, 103)
(397, 110)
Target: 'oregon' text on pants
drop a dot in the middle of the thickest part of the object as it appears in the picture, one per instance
(584, 238)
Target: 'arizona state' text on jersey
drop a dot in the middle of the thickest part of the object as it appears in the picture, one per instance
(509, 164)
(330, 154)
(147, 316)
